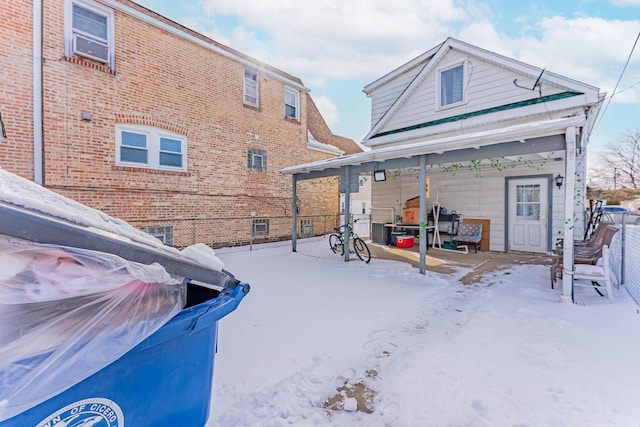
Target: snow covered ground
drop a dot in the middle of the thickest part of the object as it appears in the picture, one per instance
(418, 350)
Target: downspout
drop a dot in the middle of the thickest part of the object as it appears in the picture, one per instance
(569, 215)
(38, 165)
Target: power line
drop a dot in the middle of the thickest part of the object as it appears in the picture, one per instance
(618, 82)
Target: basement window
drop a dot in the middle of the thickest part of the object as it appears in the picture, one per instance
(163, 233)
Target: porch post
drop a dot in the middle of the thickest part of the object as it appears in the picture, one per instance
(569, 215)
(347, 210)
(294, 213)
(423, 214)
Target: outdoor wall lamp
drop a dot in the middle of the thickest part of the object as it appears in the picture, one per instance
(379, 176)
(559, 180)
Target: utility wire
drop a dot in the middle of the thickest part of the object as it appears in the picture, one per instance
(618, 82)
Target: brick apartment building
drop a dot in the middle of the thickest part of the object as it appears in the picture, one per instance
(119, 108)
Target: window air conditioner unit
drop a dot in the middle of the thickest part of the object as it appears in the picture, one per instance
(91, 49)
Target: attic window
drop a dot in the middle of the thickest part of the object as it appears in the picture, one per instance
(451, 83)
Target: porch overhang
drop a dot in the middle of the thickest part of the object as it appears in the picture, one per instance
(531, 138)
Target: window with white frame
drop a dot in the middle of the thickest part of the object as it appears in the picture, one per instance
(251, 92)
(150, 147)
(256, 160)
(291, 103)
(451, 83)
(260, 227)
(89, 31)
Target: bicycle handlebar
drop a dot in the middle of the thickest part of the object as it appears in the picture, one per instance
(349, 224)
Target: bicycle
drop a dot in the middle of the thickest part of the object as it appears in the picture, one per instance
(336, 242)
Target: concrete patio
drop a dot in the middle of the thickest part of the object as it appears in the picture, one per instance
(446, 261)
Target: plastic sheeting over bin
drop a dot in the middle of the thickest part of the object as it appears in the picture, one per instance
(66, 313)
(79, 290)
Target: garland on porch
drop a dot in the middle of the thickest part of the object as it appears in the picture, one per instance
(498, 164)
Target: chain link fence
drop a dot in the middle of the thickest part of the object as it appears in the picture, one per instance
(625, 251)
(229, 233)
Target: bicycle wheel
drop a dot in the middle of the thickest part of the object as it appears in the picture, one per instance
(362, 250)
(335, 243)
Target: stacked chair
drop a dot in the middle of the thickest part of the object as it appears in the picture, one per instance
(587, 254)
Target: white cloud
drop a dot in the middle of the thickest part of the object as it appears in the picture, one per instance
(588, 49)
(328, 109)
(338, 39)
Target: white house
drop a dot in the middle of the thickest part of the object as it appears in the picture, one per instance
(488, 134)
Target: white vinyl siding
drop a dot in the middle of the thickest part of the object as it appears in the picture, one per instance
(149, 147)
(89, 31)
(251, 89)
(291, 103)
(469, 195)
(383, 97)
(488, 85)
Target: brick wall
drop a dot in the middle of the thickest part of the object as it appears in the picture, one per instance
(16, 87)
(165, 81)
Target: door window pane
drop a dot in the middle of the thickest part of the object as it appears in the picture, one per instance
(528, 202)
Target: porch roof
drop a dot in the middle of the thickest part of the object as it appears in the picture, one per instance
(519, 132)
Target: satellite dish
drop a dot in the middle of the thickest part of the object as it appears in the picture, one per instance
(537, 84)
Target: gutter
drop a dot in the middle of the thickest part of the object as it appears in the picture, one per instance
(38, 165)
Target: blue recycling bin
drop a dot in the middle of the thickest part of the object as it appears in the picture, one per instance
(166, 380)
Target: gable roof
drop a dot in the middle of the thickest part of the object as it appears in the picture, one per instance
(429, 60)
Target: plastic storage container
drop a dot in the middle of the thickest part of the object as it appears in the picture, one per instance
(161, 378)
(164, 381)
(393, 236)
(404, 241)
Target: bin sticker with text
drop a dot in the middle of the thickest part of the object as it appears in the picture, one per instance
(94, 412)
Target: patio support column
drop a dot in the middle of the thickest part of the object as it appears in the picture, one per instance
(569, 215)
(294, 213)
(423, 214)
(347, 211)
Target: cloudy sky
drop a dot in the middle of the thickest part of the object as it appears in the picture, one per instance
(337, 47)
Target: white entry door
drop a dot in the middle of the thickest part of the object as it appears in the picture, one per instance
(528, 207)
